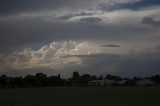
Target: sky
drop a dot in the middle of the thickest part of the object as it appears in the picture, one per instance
(119, 37)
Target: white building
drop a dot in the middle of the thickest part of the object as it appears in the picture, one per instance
(103, 82)
(144, 82)
(96, 82)
(122, 82)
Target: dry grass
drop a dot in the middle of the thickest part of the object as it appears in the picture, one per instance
(81, 96)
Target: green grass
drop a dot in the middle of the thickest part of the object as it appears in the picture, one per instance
(81, 96)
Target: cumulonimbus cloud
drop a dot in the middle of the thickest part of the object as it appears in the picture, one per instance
(50, 56)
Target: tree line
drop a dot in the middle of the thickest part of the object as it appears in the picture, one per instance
(42, 80)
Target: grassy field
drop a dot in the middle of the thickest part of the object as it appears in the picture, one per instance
(81, 96)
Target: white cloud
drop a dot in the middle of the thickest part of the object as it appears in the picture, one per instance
(48, 56)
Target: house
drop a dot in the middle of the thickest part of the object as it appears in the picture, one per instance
(96, 82)
(108, 82)
(104, 82)
(122, 82)
(144, 82)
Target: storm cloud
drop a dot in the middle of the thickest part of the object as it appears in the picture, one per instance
(66, 57)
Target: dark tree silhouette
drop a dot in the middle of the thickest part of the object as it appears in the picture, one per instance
(75, 79)
(100, 77)
(42, 80)
(112, 77)
(3, 81)
(156, 78)
(85, 78)
(75, 76)
(17, 82)
(30, 81)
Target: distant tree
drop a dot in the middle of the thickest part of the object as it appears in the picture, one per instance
(156, 78)
(85, 78)
(56, 81)
(130, 82)
(41, 79)
(75, 79)
(137, 78)
(30, 81)
(59, 76)
(75, 76)
(94, 77)
(18, 82)
(100, 77)
(112, 77)
(51, 81)
(3, 81)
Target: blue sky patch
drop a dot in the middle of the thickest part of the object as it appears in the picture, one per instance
(131, 5)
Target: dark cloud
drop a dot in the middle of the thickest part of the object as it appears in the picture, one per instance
(91, 19)
(151, 21)
(144, 64)
(111, 45)
(141, 64)
(135, 5)
(23, 33)
(8, 7)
